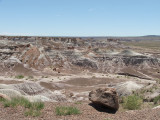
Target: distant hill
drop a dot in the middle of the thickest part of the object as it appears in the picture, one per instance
(139, 38)
(125, 38)
(152, 36)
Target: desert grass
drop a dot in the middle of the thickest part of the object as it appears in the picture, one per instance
(19, 77)
(67, 111)
(132, 102)
(32, 108)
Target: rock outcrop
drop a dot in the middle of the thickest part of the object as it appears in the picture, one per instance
(106, 97)
(64, 54)
(87, 63)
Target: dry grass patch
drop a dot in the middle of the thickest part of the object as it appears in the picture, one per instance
(67, 111)
(19, 77)
(132, 102)
(32, 108)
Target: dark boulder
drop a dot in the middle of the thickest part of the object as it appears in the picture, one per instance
(106, 97)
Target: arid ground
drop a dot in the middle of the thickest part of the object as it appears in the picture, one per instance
(62, 71)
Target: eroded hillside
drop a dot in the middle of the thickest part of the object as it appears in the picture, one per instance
(66, 69)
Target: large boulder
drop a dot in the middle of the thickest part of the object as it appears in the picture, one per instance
(106, 97)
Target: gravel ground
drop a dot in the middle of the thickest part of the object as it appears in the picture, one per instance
(88, 113)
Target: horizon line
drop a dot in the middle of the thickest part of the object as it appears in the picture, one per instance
(75, 36)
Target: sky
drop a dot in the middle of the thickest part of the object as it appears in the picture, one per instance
(80, 17)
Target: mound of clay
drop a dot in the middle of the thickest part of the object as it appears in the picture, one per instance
(127, 88)
(10, 93)
(129, 53)
(3, 86)
(29, 88)
(33, 92)
(38, 98)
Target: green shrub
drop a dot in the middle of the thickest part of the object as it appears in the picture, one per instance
(2, 99)
(19, 77)
(67, 111)
(18, 101)
(158, 81)
(156, 99)
(6, 104)
(33, 108)
(132, 102)
(38, 105)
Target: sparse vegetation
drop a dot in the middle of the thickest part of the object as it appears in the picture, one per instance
(78, 103)
(18, 101)
(2, 100)
(158, 81)
(44, 76)
(33, 113)
(19, 77)
(156, 100)
(132, 102)
(126, 76)
(33, 109)
(30, 77)
(67, 111)
(37, 105)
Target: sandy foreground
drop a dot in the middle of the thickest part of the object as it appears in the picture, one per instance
(88, 112)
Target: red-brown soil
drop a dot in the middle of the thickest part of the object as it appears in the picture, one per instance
(87, 113)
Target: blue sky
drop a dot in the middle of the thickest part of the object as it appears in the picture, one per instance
(80, 17)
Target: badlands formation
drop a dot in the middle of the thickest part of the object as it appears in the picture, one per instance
(64, 70)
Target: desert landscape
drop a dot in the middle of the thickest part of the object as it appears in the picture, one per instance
(97, 78)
